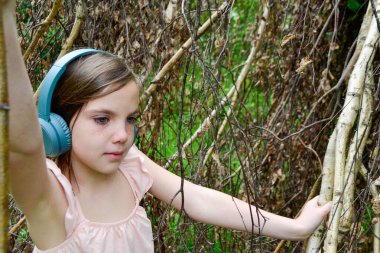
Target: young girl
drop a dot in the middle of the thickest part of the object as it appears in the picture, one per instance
(88, 201)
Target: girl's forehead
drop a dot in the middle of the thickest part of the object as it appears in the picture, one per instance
(125, 98)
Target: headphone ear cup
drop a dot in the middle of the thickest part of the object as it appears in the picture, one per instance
(49, 136)
(63, 133)
(56, 135)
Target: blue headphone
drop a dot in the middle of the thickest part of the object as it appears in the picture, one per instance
(55, 131)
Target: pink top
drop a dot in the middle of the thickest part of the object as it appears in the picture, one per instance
(132, 234)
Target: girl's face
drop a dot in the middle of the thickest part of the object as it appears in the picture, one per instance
(103, 131)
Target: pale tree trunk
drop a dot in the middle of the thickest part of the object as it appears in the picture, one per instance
(343, 130)
(357, 145)
(344, 127)
(314, 242)
(327, 185)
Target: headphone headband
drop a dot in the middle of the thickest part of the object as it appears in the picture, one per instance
(52, 77)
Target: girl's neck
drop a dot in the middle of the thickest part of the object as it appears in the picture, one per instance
(91, 181)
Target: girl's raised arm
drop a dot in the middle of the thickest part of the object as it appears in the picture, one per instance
(30, 183)
(216, 208)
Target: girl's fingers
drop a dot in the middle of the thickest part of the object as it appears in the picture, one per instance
(327, 207)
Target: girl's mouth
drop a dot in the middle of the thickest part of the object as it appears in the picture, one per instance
(115, 156)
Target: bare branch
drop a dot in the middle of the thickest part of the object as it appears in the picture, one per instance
(79, 18)
(158, 78)
(44, 26)
(234, 91)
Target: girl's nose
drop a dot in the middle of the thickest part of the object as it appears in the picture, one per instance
(121, 135)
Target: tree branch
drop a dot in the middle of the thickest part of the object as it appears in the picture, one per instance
(165, 69)
(44, 26)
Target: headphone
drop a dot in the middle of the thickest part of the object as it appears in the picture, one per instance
(55, 131)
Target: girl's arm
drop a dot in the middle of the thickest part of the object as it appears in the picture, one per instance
(34, 190)
(216, 208)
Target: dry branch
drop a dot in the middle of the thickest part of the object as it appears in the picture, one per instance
(165, 69)
(44, 26)
(3, 140)
(17, 226)
(233, 92)
(359, 45)
(240, 79)
(79, 18)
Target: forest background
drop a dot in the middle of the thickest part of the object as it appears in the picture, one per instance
(238, 96)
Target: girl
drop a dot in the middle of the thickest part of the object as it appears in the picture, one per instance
(88, 200)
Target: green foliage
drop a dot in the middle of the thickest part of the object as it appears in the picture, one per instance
(368, 216)
(353, 5)
(22, 235)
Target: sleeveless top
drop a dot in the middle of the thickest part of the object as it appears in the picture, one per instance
(132, 234)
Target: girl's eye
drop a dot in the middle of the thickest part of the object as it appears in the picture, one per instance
(101, 120)
(132, 119)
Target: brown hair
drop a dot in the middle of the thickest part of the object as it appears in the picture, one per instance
(86, 78)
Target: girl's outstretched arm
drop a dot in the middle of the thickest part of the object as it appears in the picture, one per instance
(217, 208)
(35, 191)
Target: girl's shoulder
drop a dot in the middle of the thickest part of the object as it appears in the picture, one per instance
(63, 181)
(67, 190)
(139, 177)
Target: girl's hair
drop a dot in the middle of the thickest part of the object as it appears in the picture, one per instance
(85, 79)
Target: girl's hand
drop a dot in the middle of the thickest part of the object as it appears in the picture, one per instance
(311, 216)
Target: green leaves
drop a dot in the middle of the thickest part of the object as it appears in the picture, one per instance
(353, 5)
